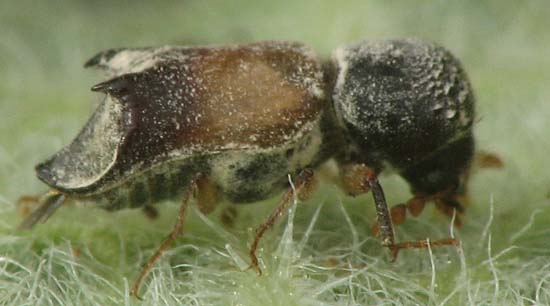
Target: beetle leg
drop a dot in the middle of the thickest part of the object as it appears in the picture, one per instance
(398, 213)
(450, 201)
(303, 188)
(26, 204)
(416, 205)
(208, 195)
(451, 206)
(484, 159)
(49, 204)
(228, 216)
(176, 230)
(384, 219)
(421, 244)
(387, 218)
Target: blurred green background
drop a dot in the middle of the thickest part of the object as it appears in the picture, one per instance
(88, 257)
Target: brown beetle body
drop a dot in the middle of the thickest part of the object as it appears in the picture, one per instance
(233, 122)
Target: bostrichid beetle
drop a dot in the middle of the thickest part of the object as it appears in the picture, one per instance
(230, 123)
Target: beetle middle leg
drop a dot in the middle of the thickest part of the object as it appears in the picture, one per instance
(366, 179)
(303, 187)
(190, 192)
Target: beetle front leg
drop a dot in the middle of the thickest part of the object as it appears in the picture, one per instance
(415, 206)
(384, 220)
(303, 188)
(359, 177)
(383, 217)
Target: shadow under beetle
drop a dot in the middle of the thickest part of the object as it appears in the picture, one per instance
(229, 123)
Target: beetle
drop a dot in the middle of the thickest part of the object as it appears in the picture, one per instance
(229, 123)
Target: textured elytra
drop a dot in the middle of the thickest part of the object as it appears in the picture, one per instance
(177, 102)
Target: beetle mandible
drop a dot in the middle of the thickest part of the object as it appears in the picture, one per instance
(231, 122)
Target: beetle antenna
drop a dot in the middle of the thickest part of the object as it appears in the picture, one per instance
(49, 205)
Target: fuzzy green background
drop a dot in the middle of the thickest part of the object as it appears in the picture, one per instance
(325, 254)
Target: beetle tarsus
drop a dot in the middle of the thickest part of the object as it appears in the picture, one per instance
(420, 244)
(254, 264)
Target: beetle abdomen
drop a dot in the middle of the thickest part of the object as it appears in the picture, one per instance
(163, 183)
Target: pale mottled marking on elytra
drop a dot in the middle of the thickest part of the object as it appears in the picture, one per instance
(135, 60)
(264, 181)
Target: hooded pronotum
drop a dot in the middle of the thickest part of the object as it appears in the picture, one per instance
(168, 104)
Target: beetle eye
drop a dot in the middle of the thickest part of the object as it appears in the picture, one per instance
(118, 87)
